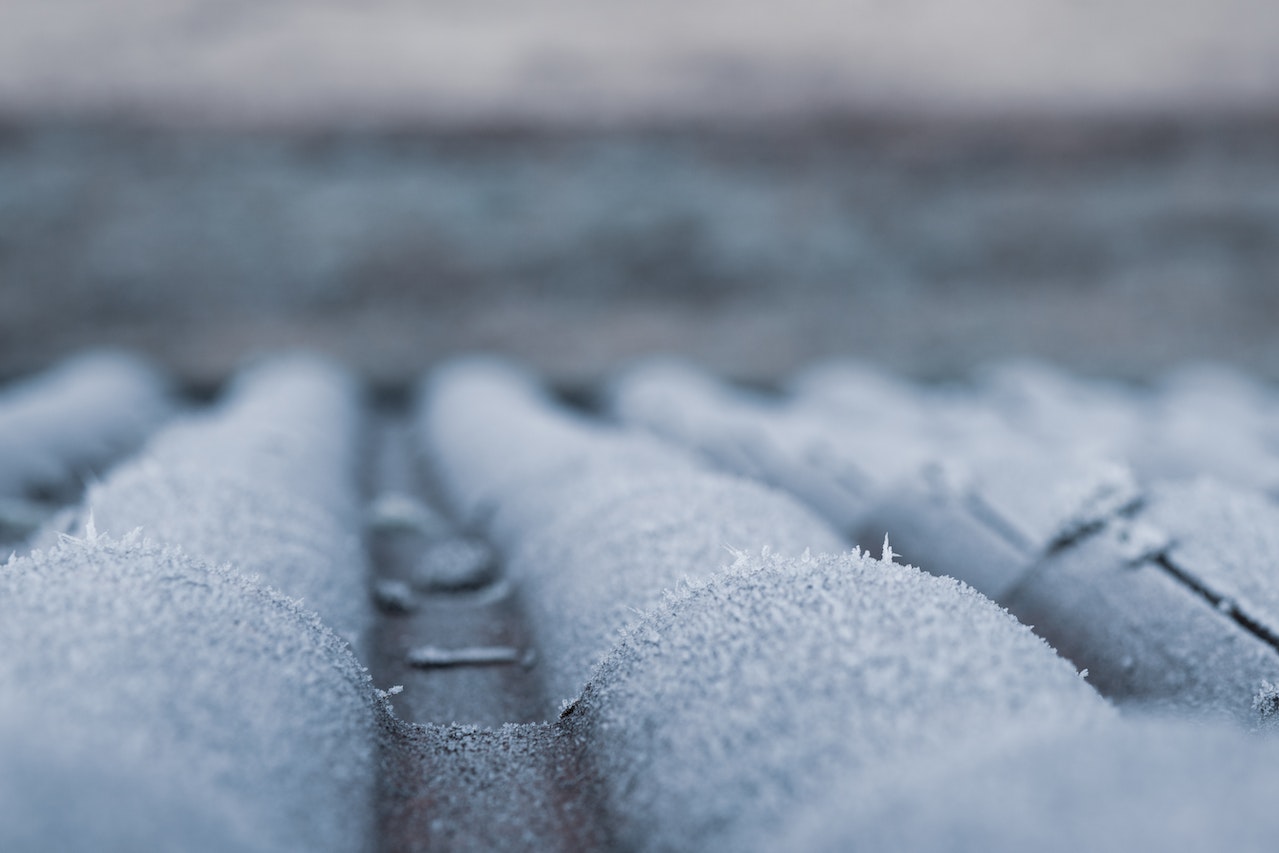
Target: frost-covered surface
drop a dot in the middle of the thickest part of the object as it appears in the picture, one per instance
(755, 437)
(1193, 421)
(265, 481)
(1033, 486)
(1017, 484)
(726, 685)
(1138, 784)
(517, 788)
(1212, 421)
(1148, 634)
(1091, 415)
(151, 701)
(594, 523)
(872, 453)
(740, 699)
(1227, 541)
(66, 425)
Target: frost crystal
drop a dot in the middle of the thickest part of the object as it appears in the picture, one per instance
(887, 553)
(1266, 701)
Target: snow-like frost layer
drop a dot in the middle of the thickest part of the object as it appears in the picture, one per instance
(1028, 484)
(594, 522)
(265, 481)
(1135, 784)
(1092, 416)
(1174, 637)
(515, 788)
(148, 698)
(1215, 422)
(959, 490)
(1201, 420)
(1174, 607)
(739, 700)
(70, 422)
(758, 438)
(1227, 540)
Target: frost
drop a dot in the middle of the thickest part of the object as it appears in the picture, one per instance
(142, 663)
(1266, 700)
(781, 678)
(1139, 540)
(59, 427)
(741, 676)
(593, 522)
(1210, 422)
(1188, 627)
(1227, 540)
(975, 497)
(263, 481)
(1130, 784)
(1098, 492)
(760, 438)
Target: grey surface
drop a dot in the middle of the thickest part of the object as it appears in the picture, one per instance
(930, 244)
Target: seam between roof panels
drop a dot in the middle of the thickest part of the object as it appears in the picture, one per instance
(1001, 527)
(1082, 532)
(1222, 604)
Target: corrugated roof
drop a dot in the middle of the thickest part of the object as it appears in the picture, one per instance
(476, 617)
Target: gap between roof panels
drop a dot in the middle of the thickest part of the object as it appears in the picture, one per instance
(472, 766)
(449, 627)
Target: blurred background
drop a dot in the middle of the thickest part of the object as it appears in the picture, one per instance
(931, 184)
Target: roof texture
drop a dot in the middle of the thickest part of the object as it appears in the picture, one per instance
(671, 631)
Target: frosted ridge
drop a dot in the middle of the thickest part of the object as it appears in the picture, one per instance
(873, 454)
(71, 421)
(265, 481)
(742, 698)
(157, 702)
(750, 436)
(594, 522)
